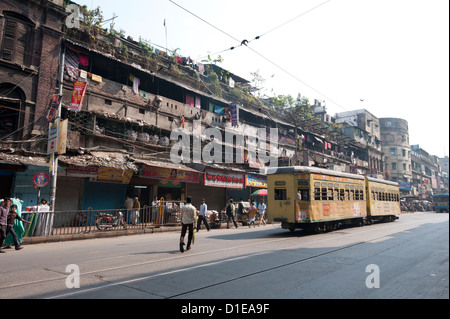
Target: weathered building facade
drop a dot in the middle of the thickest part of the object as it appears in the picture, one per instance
(397, 153)
(30, 44)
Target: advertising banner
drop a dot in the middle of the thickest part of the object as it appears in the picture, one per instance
(113, 175)
(170, 174)
(79, 90)
(255, 181)
(216, 178)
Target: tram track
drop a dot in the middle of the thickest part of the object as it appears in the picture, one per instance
(294, 245)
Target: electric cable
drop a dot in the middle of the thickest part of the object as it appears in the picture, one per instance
(245, 43)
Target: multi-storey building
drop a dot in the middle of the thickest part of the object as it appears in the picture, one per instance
(30, 44)
(443, 162)
(426, 172)
(122, 100)
(363, 130)
(397, 153)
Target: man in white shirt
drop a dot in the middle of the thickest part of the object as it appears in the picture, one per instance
(261, 212)
(202, 216)
(188, 217)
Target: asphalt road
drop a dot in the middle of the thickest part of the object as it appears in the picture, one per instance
(406, 259)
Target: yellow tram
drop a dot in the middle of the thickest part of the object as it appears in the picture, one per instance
(321, 199)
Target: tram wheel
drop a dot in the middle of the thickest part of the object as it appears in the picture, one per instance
(319, 228)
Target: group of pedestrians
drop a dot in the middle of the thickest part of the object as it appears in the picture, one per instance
(189, 217)
(133, 207)
(8, 215)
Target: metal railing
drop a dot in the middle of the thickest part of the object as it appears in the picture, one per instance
(89, 220)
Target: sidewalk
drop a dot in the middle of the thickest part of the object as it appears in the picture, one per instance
(103, 234)
(97, 234)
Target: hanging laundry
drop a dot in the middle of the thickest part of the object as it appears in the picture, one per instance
(136, 82)
(190, 100)
(219, 109)
(201, 68)
(71, 64)
(83, 60)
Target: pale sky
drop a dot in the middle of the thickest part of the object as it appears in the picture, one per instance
(393, 54)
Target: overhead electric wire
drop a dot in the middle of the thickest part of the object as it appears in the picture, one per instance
(245, 43)
(287, 22)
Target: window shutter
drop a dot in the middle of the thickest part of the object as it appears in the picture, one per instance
(16, 42)
(9, 40)
(21, 52)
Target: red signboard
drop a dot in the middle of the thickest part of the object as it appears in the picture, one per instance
(41, 180)
(79, 90)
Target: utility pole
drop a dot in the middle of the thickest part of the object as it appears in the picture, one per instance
(54, 159)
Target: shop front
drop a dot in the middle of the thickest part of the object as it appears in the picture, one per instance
(254, 182)
(170, 181)
(223, 185)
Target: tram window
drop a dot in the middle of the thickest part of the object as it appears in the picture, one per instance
(357, 195)
(317, 193)
(330, 193)
(324, 193)
(341, 194)
(280, 194)
(305, 194)
(336, 194)
(352, 194)
(347, 194)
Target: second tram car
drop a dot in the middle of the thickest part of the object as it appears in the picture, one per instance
(321, 200)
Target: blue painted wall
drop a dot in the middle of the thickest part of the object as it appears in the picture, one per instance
(103, 195)
(24, 190)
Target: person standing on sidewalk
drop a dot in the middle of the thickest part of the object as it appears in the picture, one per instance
(188, 218)
(4, 210)
(202, 216)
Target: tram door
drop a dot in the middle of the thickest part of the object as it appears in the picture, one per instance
(303, 199)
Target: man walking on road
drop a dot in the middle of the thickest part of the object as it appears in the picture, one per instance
(4, 210)
(202, 216)
(261, 212)
(188, 217)
(230, 210)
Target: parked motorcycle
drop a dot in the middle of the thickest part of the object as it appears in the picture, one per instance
(107, 221)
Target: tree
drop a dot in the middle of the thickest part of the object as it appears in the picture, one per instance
(258, 80)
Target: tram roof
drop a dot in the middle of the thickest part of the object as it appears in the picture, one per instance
(382, 181)
(323, 171)
(309, 170)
